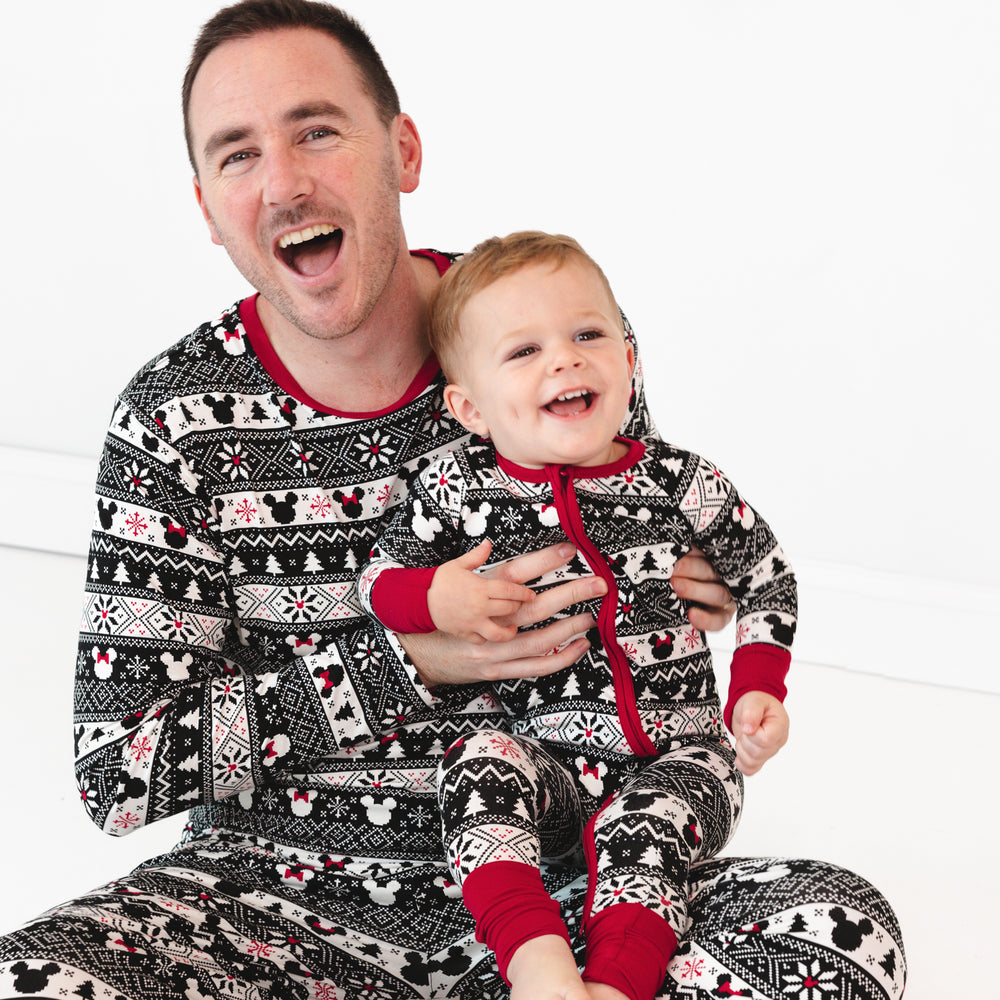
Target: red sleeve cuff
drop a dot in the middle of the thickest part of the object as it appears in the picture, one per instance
(399, 599)
(757, 667)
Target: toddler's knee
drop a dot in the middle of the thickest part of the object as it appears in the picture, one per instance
(481, 743)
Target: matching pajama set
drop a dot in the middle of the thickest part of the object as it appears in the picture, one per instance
(227, 671)
(629, 741)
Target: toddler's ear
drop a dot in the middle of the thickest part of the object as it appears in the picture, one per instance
(464, 410)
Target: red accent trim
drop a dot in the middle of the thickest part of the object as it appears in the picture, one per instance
(590, 854)
(629, 948)
(283, 377)
(402, 606)
(267, 356)
(636, 449)
(561, 478)
(441, 261)
(757, 667)
(510, 906)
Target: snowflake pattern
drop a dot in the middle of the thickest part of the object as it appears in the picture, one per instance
(320, 505)
(810, 981)
(138, 478)
(693, 968)
(366, 654)
(375, 449)
(105, 616)
(505, 747)
(234, 461)
(137, 667)
(246, 510)
(420, 817)
(141, 747)
(136, 523)
(303, 458)
(126, 820)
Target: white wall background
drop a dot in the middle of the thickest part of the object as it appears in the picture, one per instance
(797, 203)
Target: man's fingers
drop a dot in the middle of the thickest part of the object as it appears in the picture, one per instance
(533, 564)
(541, 641)
(711, 621)
(539, 666)
(711, 595)
(549, 603)
(695, 565)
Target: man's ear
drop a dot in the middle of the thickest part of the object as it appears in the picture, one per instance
(410, 152)
(204, 211)
(464, 410)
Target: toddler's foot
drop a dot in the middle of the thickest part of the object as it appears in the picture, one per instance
(544, 969)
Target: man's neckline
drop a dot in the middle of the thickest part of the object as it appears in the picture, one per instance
(287, 382)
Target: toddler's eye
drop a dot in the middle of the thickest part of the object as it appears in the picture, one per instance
(522, 352)
(589, 335)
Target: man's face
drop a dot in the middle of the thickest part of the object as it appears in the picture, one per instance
(545, 370)
(299, 179)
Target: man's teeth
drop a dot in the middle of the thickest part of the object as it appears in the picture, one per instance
(304, 235)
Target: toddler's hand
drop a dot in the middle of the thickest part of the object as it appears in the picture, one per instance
(760, 725)
(465, 604)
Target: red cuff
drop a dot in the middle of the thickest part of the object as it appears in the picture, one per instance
(757, 667)
(399, 599)
(511, 906)
(629, 948)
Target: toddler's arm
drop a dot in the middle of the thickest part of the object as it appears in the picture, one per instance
(466, 605)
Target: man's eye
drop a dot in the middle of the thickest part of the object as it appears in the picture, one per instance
(320, 132)
(237, 157)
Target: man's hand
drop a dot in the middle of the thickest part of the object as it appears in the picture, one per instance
(694, 579)
(467, 604)
(760, 725)
(443, 659)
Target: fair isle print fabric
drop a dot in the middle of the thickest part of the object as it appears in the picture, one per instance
(230, 520)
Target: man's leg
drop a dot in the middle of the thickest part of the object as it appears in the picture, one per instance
(773, 928)
(235, 917)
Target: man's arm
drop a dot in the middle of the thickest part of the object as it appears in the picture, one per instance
(170, 711)
(442, 659)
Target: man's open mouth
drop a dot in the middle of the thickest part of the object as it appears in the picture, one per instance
(569, 404)
(312, 250)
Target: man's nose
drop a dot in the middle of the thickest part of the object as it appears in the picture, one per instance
(285, 178)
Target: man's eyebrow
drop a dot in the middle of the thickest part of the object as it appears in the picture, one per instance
(316, 109)
(301, 112)
(224, 137)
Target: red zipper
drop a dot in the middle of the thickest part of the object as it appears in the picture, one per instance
(563, 492)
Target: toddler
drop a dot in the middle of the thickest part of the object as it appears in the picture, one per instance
(623, 753)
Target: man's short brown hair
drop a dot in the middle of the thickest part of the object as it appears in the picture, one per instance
(491, 260)
(252, 17)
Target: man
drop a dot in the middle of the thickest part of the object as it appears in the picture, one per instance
(225, 666)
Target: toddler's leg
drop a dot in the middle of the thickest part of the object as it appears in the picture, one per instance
(683, 807)
(503, 803)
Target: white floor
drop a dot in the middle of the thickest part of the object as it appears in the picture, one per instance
(892, 779)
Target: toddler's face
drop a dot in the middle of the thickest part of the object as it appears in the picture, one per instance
(546, 372)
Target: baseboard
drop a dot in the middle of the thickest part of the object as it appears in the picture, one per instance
(926, 630)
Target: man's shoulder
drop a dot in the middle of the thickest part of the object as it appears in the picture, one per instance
(214, 357)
